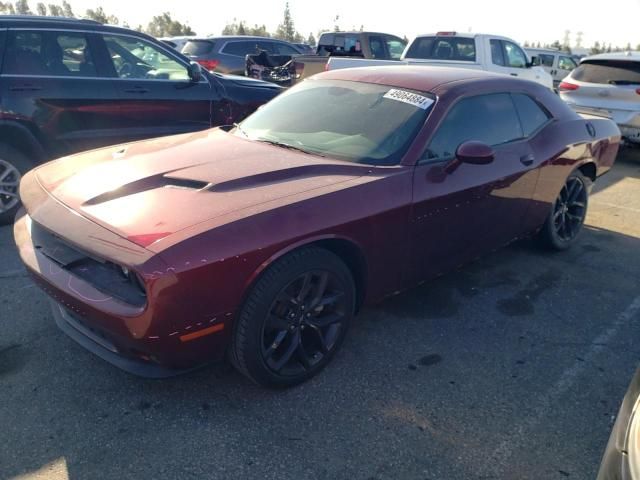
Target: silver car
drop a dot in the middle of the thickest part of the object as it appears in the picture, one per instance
(607, 84)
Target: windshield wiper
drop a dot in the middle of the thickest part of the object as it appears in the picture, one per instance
(288, 146)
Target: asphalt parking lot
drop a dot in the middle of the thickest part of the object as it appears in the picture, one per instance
(511, 368)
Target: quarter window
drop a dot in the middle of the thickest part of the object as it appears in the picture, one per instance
(491, 119)
(48, 53)
(532, 115)
(138, 59)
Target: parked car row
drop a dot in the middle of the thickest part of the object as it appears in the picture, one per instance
(72, 85)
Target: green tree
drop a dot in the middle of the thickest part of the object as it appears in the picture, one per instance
(596, 48)
(311, 40)
(165, 26)
(287, 30)
(99, 15)
(22, 8)
(41, 8)
(7, 8)
(526, 44)
(67, 10)
(258, 31)
(538, 45)
(628, 47)
(55, 10)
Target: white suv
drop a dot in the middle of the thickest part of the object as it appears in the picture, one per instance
(607, 84)
(556, 63)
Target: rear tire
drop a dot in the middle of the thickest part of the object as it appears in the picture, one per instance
(13, 165)
(566, 217)
(294, 318)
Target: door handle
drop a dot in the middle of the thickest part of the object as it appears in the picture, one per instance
(527, 160)
(25, 88)
(137, 90)
(513, 74)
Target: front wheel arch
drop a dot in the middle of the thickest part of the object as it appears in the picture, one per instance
(348, 250)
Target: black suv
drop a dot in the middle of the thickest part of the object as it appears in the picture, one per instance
(69, 85)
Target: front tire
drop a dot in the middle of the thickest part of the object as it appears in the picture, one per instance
(294, 318)
(13, 165)
(568, 212)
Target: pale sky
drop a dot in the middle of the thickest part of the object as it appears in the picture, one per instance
(615, 21)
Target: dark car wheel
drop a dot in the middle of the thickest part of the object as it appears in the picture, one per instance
(12, 166)
(564, 223)
(294, 319)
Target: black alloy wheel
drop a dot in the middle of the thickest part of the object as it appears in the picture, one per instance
(567, 214)
(294, 318)
(570, 209)
(303, 323)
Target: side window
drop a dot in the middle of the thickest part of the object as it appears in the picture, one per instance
(532, 115)
(566, 63)
(497, 55)
(491, 119)
(48, 53)
(376, 44)
(544, 60)
(138, 59)
(284, 49)
(395, 48)
(240, 49)
(514, 55)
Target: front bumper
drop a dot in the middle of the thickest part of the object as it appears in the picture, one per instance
(154, 340)
(102, 347)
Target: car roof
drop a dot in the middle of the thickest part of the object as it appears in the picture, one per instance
(421, 78)
(633, 56)
(546, 50)
(238, 37)
(38, 21)
(21, 19)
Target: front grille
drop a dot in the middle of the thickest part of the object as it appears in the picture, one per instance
(103, 275)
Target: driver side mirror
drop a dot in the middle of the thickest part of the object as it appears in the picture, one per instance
(195, 73)
(473, 153)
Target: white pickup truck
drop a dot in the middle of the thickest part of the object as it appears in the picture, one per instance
(462, 50)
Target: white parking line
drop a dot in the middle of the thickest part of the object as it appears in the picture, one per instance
(500, 456)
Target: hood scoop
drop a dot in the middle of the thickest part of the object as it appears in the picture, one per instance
(145, 184)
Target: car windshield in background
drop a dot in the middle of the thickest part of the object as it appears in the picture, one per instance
(443, 48)
(612, 72)
(352, 121)
(197, 47)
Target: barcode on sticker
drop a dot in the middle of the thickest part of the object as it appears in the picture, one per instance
(409, 97)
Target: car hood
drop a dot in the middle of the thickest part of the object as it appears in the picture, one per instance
(149, 190)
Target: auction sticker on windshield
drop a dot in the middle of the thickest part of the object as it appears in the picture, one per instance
(409, 97)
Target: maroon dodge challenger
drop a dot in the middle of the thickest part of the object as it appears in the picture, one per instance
(263, 241)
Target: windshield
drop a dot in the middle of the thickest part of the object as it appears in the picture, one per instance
(353, 121)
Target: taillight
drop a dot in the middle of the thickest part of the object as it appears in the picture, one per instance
(209, 65)
(638, 91)
(566, 86)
